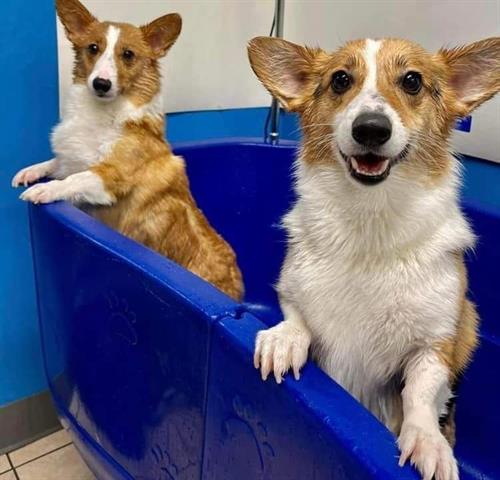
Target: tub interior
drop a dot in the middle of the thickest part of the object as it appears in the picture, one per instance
(151, 368)
(245, 192)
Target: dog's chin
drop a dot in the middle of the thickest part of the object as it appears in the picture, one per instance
(369, 168)
(107, 97)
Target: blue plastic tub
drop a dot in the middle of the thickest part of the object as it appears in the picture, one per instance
(151, 368)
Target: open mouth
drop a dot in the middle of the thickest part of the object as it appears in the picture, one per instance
(371, 169)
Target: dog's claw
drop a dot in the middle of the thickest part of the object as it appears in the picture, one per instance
(428, 451)
(280, 348)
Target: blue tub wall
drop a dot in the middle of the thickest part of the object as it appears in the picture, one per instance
(126, 345)
(26, 141)
(236, 213)
(20, 364)
(120, 342)
(261, 194)
(151, 368)
(29, 84)
(231, 123)
(481, 182)
(310, 429)
(481, 178)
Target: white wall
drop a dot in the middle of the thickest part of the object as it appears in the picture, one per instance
(432, 23)
(208, 67)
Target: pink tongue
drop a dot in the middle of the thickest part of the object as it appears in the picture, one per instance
(369, 166)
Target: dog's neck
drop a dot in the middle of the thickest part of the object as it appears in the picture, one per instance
(391, 217)
(83, 103)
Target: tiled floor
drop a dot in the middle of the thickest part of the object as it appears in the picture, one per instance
(50, 458)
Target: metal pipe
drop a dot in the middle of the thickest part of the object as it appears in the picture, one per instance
(279, 15)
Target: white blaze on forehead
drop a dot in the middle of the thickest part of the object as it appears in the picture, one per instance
(370, 55)
(369, 99)
(106, 65)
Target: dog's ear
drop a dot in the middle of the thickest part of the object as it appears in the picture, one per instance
(162, 33)
(74, 16)
(474, 72)
(285, 69)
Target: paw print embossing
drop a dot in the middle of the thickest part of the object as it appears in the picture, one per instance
(122, 318)
(169, 470)
(162, 458)
(247, 429)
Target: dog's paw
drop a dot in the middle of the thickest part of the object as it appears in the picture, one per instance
(44, 192)
(280, 348)
(29, 175)
(428, 451)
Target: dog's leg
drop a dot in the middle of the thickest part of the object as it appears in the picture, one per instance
(448, 425)
(284, 346)
(425, 395)
(33, 173)
(83, 187)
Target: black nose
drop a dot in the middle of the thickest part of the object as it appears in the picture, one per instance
(101, 85)
(371, 129)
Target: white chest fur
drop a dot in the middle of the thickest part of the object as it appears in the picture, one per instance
(89, 128)
(87, 131)
(373, 273)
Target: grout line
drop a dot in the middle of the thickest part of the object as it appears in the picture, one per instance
(12, 466)
(39, 456)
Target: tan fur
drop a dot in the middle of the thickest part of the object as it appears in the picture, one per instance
(454, 83)
(75, 18)
(312, 96)
(155, 207)
(430, 114)
(456, 353)
(473, 73)
(426, 114)
(148, 184)
(139, 78)
(449, 428)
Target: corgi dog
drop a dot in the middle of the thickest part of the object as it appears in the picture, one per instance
(110, 152)
(374, 281)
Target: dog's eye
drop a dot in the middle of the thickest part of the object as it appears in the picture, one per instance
(128, 54)
(93, 48)
(341, 81)
(412, 83)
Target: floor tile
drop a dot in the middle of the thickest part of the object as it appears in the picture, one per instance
(8, 476)
(4, 463)
(39, 448)
(63, 464)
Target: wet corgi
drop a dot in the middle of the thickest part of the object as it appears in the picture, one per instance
(374, 281)
(110, 151)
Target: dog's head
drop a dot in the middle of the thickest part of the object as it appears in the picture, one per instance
(373, 105)
(115, 59)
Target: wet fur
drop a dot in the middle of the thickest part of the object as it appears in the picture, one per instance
(374, 279)
(112, 158)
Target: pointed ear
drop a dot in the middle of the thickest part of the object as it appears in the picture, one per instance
(74, 16)
(474, 72)
(162, 33)
(285, 69)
